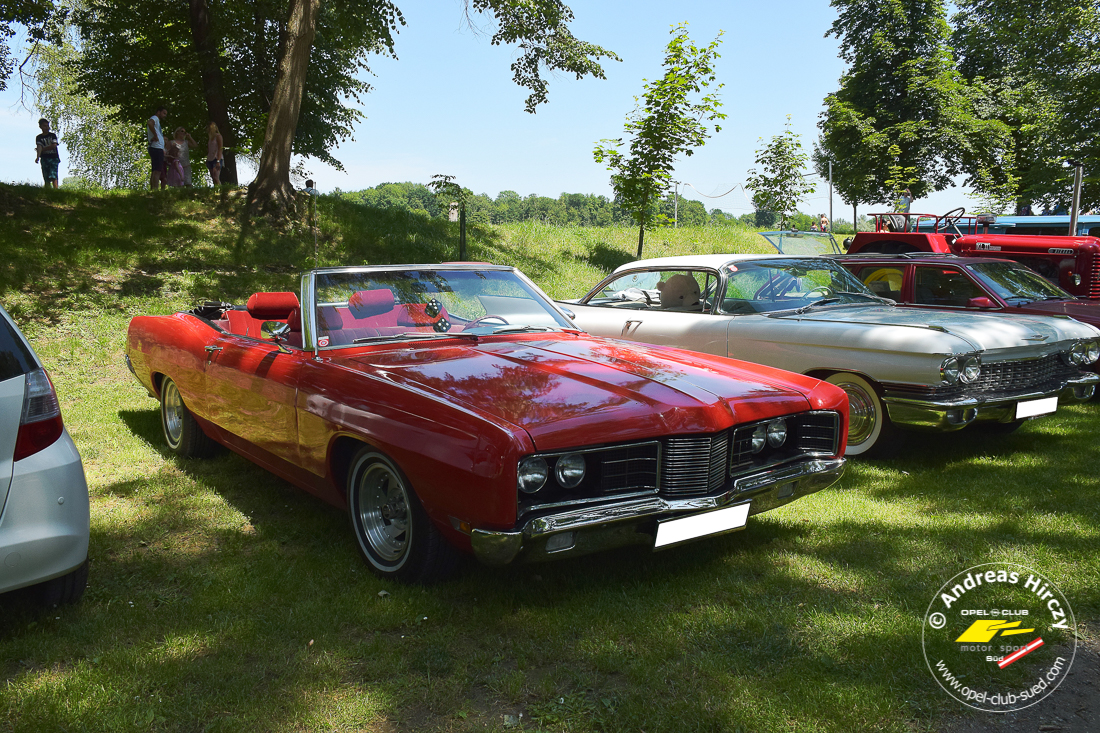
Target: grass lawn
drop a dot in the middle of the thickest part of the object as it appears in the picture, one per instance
(223, 599)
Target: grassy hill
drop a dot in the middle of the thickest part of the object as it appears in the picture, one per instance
(223, 599)
(63, 248)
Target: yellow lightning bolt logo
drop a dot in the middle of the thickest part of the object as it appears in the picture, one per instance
(982, 632)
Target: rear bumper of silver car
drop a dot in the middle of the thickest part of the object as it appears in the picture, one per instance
(954, 413)
(591, 529)
(44, 524)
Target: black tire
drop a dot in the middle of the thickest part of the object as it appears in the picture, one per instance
(69, 588)
(392, 530)
(184, 435)
(870, 432)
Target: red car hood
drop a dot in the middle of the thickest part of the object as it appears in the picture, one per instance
(567, 390)
(1083, 310)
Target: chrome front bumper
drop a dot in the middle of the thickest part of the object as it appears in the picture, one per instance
(954, 413)
(591, 529)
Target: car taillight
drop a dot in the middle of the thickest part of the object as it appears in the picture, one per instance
(40, 424)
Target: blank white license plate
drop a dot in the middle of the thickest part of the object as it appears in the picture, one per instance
(1032, 408)
(672, 531)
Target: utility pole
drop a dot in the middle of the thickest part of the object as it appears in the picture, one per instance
(830, 195)
(676, 208)
(1078, 170)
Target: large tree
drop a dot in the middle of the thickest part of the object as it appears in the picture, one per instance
(540, 28)
(41, 20)
(666, 122)
(219, 61)
(902, 89)
(1038, 63)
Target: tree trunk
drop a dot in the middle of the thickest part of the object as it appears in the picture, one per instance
(217, 109)
(641, 238)
(272, 185)
(855, 221)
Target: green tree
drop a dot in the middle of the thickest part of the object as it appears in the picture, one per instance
(40, 19)
(665, 123)
(1038, 65)
(540, 28)
(102, 152)
(781, 183)
(902, 89)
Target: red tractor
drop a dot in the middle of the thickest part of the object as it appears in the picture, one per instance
(1071, 262)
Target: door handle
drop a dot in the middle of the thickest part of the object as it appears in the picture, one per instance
(212, 349)
(627, 330)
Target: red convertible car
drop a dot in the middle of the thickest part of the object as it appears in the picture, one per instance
(457, 407)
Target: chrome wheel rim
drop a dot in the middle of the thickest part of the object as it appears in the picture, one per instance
(862, 415)
(383, 509)
(173, 413)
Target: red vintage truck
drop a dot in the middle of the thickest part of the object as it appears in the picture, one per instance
(1071, 262)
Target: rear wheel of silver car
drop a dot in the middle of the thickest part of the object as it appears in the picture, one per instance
(870, 432)
(183, 433)
(393, 531)
(69, 588)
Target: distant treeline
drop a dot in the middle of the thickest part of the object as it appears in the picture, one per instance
(577, 209)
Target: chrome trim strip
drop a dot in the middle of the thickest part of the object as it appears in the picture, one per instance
(951, 403)
(501, 547)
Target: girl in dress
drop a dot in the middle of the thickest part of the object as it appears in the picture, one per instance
(184, 143)
(214, 153)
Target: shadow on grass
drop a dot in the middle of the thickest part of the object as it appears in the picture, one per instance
(252, 607)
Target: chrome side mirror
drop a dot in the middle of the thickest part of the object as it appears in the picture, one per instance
(566, 311)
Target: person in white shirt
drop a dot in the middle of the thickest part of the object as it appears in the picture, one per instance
(156, 148)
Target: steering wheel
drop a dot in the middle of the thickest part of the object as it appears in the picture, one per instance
(825, 291)
(477, 321)
(951, 218)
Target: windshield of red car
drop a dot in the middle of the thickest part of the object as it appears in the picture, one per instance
(759, 286)
(362, 306)
(1016, 283)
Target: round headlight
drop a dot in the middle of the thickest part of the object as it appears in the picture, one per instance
(569, 470)
(1078, 354)
(777, 433)
(532, 474)
(970, 369)
(759, 437)
(949, 370)
(1092, 351)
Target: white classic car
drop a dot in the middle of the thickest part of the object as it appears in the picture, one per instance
(901, 368)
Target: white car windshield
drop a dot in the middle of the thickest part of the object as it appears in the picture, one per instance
(355, 307)
(760, 286)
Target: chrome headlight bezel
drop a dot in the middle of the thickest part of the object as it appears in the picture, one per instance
(950, 370)
(569, 470)
(759, 438)
(531, 474)
(970, 369)
(1092, 351)
(777, 433)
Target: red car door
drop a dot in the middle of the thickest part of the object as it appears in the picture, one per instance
(251, 388)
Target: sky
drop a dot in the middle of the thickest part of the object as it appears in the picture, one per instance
(447, 104)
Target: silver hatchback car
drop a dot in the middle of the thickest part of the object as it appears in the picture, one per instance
(44, 518)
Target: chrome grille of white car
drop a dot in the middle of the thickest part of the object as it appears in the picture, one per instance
(1019, 376)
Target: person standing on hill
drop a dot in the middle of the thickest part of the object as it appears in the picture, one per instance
(215, 153)
(184, 143)
(156, 148)
(45, 146)
(824, 223)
